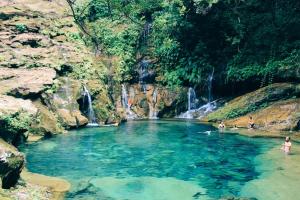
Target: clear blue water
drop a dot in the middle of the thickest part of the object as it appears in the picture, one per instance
(149, 160)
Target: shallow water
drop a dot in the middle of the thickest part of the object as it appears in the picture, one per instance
(159, 160)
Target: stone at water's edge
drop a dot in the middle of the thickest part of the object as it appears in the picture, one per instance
(280, 116)
(48, 121)
(11, 164)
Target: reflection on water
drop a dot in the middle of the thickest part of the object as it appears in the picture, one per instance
(170, 159)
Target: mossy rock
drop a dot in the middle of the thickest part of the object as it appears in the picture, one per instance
(253, 101)
(11, 166)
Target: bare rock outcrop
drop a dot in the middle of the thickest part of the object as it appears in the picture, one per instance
(25, 82)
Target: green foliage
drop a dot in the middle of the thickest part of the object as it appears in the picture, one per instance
(15, 123)
(21, 28)
(242, 41)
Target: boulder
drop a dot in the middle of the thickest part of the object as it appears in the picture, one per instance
(72, 118)
(11, 165)
(48, 123)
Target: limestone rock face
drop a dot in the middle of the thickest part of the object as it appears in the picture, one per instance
(39, 33)
(11, 164)
(153, 101)
(64, 103)
(25, 82)
(11, 105)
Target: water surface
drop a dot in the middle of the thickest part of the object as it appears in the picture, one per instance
(152, 160)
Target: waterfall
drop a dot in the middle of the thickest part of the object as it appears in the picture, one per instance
(124, 98)
(191, 99)
(125, 104)
(152, 107)
(193, 111)
(143, 73)
(210, 79)
(145, 33)
(90, 111)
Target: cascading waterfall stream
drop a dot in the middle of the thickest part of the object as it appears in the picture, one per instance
(90, 111)
(210, 79)
(143, 73)
(126, 105)
(152, 107)
(191, 99)
(203, 110)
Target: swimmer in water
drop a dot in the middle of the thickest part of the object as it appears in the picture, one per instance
(222, 126)
(287, 145)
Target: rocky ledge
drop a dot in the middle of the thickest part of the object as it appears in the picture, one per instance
(274, 108)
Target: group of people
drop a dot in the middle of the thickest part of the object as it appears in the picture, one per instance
(286, 146)
(251, 124)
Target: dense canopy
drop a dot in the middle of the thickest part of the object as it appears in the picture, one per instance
(186, 40)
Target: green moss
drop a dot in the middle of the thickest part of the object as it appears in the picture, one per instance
(254, 101)
(15, 122)
(21, 28)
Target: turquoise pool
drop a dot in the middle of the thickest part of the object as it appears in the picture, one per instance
(152, 160)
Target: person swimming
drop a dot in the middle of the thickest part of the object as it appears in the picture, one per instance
(287, 145)
(251, 124)
(222, 126)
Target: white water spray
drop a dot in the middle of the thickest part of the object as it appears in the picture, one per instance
(90, 111)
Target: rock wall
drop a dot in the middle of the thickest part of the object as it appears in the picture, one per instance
(152, 101)
(43, 60)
